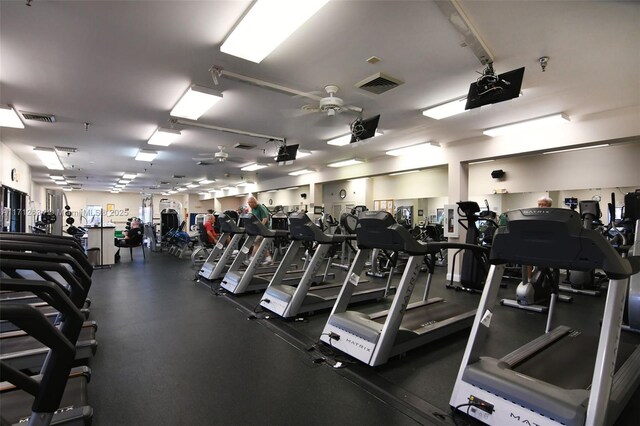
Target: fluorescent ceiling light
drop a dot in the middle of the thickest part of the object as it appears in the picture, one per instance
(245, 184)
(206, 181)
(129, 176)
(266, 25)
(480, 162)
(203, 193)
(412, 150)
(446, 109)
(272, 191)
(146, 155)
(9, 117)
(56, 177)
(113, 191)
(117, 185)
(60, 182)
(577, 149)
(241, 195)
(253, 167)
(67, 189)
(403, 173)
(293, 187)
(164, 137)
(171, 192)
(181, 189)
(301, 172)
(124, 181)
(196, 101)
(193, 185)
(303, 153)
(533, 124)
(346, 139)
(49, 158)
(344, 163)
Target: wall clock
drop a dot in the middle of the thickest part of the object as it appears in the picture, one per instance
(343, 194)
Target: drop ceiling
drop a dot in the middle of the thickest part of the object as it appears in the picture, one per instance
(122, 66)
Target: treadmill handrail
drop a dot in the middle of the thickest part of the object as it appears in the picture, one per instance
(78, 255)
(48, 392)
(228, 224)
(552, 237)
(253, 226)
(302, 228)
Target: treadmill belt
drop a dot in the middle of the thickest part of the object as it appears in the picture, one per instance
(424, 315)
(579, 352)
(332, 292)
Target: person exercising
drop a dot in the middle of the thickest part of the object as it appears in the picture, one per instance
(543, 202)
(209, 227)
(261, 212)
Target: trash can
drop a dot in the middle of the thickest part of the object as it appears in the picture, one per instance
(94, 256)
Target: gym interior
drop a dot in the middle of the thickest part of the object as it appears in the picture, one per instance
(425, 281)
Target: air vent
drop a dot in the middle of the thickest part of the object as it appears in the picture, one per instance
(244, 146)
(379, 83)
(164, 183)
(45, 118)
(70, 177)
(178, 176)
(65, 149)
(203, 163)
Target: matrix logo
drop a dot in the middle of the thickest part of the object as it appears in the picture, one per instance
(523, 421)
(357, 345)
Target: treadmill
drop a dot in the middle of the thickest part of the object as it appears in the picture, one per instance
(374, 338)
(59, 394)
(289, 300)
(238, 281)
(220, 258)
(563, 377)
(23, 351)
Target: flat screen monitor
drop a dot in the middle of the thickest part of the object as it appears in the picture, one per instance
(318, 209)
(488, 91)
(364, 129)
(286, 154)
(571, 202)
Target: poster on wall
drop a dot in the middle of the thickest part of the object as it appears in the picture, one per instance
(450, 222)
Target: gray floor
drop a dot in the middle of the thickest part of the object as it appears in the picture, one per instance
(171, 352)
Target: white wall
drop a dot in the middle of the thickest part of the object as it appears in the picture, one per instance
(9, 161)
(125, 205)
(614, 166)
(427, 183)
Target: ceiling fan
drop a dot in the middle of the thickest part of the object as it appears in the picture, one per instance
(331, 105)
(219, 157)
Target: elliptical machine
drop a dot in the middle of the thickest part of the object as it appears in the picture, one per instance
(474, 265)
(586, 282)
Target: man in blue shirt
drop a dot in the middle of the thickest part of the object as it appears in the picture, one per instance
(261, 212)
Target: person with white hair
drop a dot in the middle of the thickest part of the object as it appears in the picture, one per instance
(261, 212)
(132, 237)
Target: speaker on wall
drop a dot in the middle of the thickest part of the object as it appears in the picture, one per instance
(498, 174)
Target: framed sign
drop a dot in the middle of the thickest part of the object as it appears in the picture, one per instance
(450, 222)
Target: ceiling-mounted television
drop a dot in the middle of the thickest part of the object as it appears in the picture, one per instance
(286, 154)
(491, 89)
(364, 129)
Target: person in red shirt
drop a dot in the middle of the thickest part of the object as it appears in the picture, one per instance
(209, 221)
